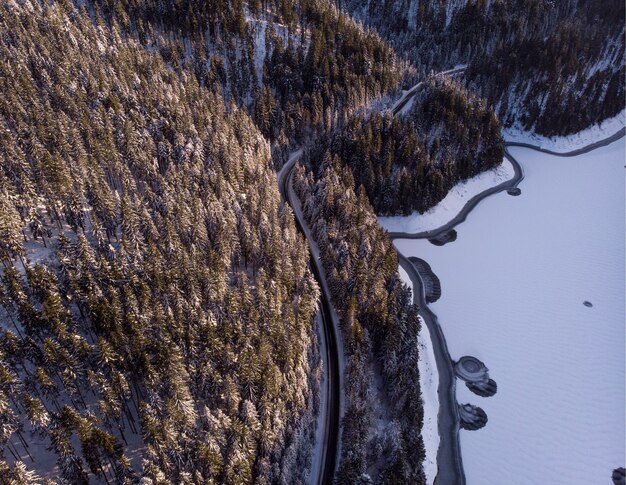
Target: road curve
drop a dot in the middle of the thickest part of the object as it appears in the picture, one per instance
(579, 151)
(330, 328)
(469, 205)
(397, 107)
(506, 185)
(449, 458)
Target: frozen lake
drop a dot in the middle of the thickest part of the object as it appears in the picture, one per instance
(513, 287)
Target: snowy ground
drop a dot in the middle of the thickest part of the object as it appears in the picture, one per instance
(513, 287)
(429, 382)
(451, 205)
(571, 142)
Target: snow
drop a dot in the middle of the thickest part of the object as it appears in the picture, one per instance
(513, 287)
(568, 143)
(260, 26)
(429, 383)
(408, 106)
(45, 459)
(451, 204)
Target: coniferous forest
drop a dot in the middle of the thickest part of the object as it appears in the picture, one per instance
(158, 311)
(410, 162)
(551, 67)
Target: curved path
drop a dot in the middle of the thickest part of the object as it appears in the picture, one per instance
(512, 183)
(449, 461)
(331, 345)
(401, 103)
(579, 151)
(469, 205)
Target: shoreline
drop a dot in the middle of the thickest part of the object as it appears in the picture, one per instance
(449, 421)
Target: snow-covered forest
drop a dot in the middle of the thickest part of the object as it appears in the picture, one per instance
(550, 67)
(157, 304)
(157, 309)
(379, 329)
(410, 162)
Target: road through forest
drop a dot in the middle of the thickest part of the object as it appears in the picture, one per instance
(449, 459)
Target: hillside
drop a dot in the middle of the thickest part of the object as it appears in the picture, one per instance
(550, 67)
(410, 162)
(156, 302)
(161, 319)
(157, 307)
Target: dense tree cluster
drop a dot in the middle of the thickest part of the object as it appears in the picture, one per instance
(156, 305)
(551, 67)
(299, 66)
(381, 438)
(410, 162)
(562, 81)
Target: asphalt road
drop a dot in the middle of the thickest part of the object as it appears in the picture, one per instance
(506, 185)
(449, 460)
(332, 346)
(411, 92)
(330, 329)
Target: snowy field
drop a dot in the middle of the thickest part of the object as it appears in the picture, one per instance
(513, 287)
(429, 384)
(571, 142)
(451, 204)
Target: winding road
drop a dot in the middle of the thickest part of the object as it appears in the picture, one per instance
(506, 185)
(401, 103)
(331, 345)
(449, 460)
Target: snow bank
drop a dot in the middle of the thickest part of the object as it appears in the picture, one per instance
(429, 384)
(513, 287)
(568, 143)
(452, 204)
(408, 106)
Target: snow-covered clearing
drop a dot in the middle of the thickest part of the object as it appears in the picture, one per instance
(513, 287)
(451, 205)
(429, 383)
(259, 47)
(407, 107)
(571, 142)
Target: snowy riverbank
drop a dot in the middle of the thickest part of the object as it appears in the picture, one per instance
(451, 205)
(513, 287)
(571, 142)
(429, 381)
